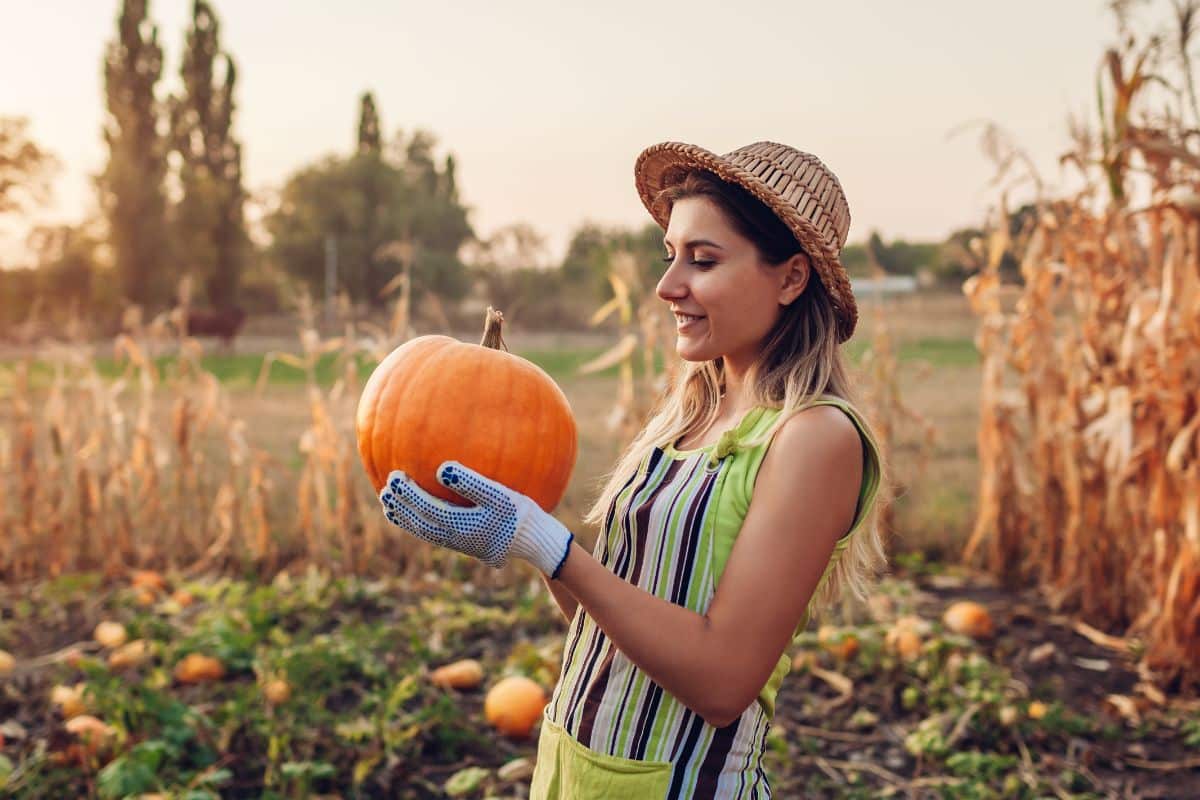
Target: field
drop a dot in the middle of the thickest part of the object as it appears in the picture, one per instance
(1045, 708)
(938, 372)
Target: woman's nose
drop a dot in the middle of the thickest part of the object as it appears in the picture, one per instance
(670, 285)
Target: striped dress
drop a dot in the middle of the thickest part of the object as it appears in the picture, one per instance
(609, 730)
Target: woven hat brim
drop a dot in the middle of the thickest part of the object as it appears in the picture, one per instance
(665, 164)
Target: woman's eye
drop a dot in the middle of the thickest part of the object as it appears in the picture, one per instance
(695, 262)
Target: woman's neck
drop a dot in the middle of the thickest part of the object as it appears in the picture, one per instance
(736, 400)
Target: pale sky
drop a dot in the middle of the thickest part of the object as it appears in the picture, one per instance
(546, 105)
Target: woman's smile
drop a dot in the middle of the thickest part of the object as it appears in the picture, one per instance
(687, 322)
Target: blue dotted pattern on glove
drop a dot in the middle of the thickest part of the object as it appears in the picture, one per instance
(484, 531)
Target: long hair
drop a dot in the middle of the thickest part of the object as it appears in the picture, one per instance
(798, 363)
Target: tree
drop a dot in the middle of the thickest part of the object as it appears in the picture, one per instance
(512, 273)
(375, 183)
(66, 258)
(24, 167)
(364, 202)
(369, 140)
(510, 248)
(961, 255)
(902, 257)
(587, 261)
(131, 186)
(449, 185)
(209, 221)
(856, 261)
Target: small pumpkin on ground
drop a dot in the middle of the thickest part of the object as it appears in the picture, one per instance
(198, 668)
(277, 691)
(843, 644)
(94, 737)
(968, 618)
(464, 674)
(110, 634)
(904, 637)
(183, 597)
(69, 700)
(514, 705)
(436, 399)
(148, 579)
(131, 654)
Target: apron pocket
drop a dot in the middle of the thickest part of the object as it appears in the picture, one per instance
(568, 770)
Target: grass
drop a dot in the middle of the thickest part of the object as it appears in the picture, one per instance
(243, 369)
(936, 351)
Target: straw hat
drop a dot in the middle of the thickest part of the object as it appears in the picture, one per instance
(800, 189)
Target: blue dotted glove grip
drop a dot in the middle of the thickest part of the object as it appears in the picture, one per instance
(502, 522)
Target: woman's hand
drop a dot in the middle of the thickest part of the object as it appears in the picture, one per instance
(503, 522)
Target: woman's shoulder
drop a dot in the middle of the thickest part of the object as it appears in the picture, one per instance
(820, 432)
(818, 448)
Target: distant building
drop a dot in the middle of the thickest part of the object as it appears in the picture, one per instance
(888, 284)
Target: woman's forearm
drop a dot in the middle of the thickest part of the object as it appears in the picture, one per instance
(672, 644)
(566, 601)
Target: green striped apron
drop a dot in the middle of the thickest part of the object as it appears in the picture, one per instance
(611, 732)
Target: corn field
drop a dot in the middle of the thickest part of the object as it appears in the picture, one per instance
(154, 470)
(1088, 446)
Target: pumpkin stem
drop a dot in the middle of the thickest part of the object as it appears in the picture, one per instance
(491, 330)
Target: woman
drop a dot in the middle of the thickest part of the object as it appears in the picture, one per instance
(745, 504)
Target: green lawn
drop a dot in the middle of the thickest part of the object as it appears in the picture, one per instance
(938, 351)
(244, 368)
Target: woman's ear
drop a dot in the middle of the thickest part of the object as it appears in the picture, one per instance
(797, 271)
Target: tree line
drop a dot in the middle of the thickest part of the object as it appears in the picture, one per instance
(173, 203)
(172, 197)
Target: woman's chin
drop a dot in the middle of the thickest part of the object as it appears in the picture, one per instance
(688, 351)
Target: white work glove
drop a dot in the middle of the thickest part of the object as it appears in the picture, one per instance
(503, 522)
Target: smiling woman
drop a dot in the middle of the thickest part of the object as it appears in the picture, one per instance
(745, 505)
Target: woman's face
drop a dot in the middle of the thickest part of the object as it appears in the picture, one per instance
(724, 296)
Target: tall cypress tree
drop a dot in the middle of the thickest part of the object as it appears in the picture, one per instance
(209, 221)
(375, 183)
(131, 186)
(449, 181)
(369, 139)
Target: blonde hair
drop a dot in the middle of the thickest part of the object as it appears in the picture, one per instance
(800, 361)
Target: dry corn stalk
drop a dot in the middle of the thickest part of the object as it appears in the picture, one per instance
(1090, 462)
(642, 332)
(109, 474)
(885, 406)
(152, 468)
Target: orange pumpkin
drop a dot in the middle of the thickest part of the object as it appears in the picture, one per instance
(199, 668)
(969, 618)
(148, 579)
(436, 399)
(464, 674)
(277, 691)
(514, 705)
(95, 735)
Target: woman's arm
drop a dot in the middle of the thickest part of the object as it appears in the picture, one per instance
(804, 500)
(566, 601)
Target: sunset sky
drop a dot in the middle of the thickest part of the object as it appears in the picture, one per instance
(545, 105)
